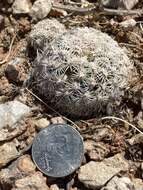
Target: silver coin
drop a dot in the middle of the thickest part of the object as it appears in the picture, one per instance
(58, 150)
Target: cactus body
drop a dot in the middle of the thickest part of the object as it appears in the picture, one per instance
(44, 32)
(81, 72)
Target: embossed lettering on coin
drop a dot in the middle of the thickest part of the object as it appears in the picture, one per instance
(58, 150)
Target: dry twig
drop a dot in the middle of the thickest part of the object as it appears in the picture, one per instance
(100, 10)
(132, 46)
(9, 52)
(119, 119)
(49, 107)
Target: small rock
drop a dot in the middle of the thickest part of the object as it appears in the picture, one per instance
(134, 150)
(103, 133)
(40, 9)
(42, 123)
(96, 174)
(44, 32)
(35, 181)
(26, 165)
(136, 139)
(15, 71)
(138, 183)
(57, 120)
(96, 151)
(54, 187)
(17, 170)
(128, 4)
(117, 161)
(128, 23)
(116, 183)
(122, 4)
(12, 119)
(21, 6)
(8, 152)
(8, 133)
(11, 112)
(58, 12)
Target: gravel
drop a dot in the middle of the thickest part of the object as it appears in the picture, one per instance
(96, 174)
(21, 6)
(40, 9)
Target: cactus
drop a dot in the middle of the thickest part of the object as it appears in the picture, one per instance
(81, 72)
(44, 32)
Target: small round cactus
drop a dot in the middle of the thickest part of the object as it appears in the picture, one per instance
(44, 32)
(81, 72)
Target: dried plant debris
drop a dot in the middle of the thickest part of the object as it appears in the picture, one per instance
(96, 151)
(81, 72)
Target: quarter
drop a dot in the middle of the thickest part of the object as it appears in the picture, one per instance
(58, 150)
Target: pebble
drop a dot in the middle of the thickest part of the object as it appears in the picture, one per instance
(21, 6)
(18, 169)
(58, 13)
(136, 139)
(15, 72)
(8, 152)
(103, 133)
(96, 151)
(11, 112)
(26, 165)
(58, 120)
(40, 9)
(8, 133)
(123, 4)
(96, 174)
(138, 183)
(128, 4)
(117, 183)
(130, 23)
(12, 119)
(35, 181)
(41, 123)
(54, 187)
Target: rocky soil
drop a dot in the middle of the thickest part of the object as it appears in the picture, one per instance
(113, 143)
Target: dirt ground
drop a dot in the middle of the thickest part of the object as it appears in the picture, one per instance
(118, 133)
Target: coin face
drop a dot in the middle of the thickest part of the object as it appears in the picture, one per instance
(58, 150)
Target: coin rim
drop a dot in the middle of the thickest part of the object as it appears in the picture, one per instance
(81, 157)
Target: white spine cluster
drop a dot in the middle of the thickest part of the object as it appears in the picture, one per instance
(44, 32)
(82, 71)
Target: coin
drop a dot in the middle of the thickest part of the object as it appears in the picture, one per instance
(58, 150)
